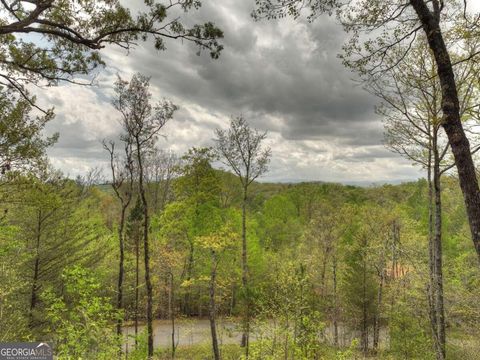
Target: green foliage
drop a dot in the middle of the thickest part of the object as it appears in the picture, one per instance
(409, 337)
(200, 351)
(196, 212)
(350, 353)
(74, 32)
(13, 323)
(141, 351)
(318, 253)
(22, 145)
(288, 322)
(54, 224)
(279, 223)
(79, 319)
(359, 285)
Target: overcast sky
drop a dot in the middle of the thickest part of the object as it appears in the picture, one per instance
(283, 76)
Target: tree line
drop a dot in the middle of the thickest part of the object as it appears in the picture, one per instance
(347, 267)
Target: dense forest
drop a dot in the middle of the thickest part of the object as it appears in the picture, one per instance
(194, 255)
(334, 271)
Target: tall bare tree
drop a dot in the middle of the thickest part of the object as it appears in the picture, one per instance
(240, 148)
(142, 122)
(133, 233)
(161, 168)
(122, 185)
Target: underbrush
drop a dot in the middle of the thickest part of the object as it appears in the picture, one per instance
(201, 352)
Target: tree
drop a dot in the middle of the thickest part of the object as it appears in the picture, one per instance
(196, 224)
(280, 223)
(133, 232)
(79, 318)
(411, 110)
(378, 30)
(57, 229)
(359, 285)
(122, 185)
(321, 242)
(197, 192)
(241, 149)
(197, 198)
(22, 145)
(161, 169)
(142, 122)
(74, 32)
(216, 243)
(287, 309)
(13, 322)
(174, 253)
(321, 235)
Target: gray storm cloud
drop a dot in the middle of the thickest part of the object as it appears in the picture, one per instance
(283, 76)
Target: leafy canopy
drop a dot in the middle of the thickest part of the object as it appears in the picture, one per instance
(21, 142)
(46, 41)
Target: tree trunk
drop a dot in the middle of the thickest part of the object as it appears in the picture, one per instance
(155, 195)
(120, 270)
(394, 270)
(171, 313)
(365, 311)
(323, 270)
(166, 189)
(232, 300)
(189, 271)
(451, 121)
(148, 282)
(431, 288)
(335, 303)
(212, 312)
(246, 319)
(376, 322)
(36, 269)
(137, 284)
(437, 249)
